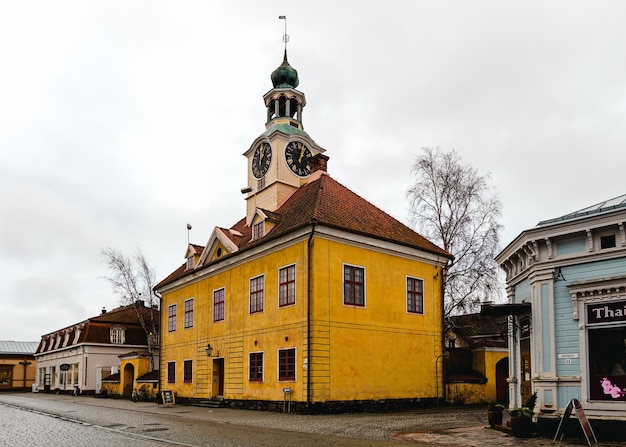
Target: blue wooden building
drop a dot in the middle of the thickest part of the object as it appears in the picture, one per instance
(566, 288)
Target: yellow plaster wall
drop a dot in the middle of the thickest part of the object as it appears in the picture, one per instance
(375, 352)
(21, 379)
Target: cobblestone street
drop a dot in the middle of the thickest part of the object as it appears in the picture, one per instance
(104, 422)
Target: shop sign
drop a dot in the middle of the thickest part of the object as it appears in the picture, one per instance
(64, 367)
(606, 312)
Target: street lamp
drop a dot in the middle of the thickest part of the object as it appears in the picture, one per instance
(209, 350)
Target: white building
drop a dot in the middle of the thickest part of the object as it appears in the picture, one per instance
(84, 353)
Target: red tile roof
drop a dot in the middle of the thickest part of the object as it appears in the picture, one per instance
(326, 202)
(97, 329)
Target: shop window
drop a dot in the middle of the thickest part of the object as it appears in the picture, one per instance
(6, 376)
(607, 363)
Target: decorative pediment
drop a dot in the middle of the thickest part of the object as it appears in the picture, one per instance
(220, 243)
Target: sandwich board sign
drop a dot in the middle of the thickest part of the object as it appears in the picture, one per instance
(574, 404)
(168, 398)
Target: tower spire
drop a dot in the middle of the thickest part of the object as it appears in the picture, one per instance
(285, 36)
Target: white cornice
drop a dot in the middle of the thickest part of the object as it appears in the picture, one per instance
(299, 236)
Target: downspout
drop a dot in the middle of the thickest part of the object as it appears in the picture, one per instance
(308, 303)
(443, 332)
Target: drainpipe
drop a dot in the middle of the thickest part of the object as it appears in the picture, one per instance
(308, 301)
(443, 332)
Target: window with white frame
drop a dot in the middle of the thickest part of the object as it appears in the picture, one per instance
(256, 294)
(218, 304)
(188, 319)
(353, 286)
(414, 295)
(256, 367)
(171, 318)
(287, 286)
(117, 335)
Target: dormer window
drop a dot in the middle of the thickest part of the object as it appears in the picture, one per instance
(607, 241)
(257, 230)
(118, 335)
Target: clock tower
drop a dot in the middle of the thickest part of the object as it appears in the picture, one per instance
(279, 160)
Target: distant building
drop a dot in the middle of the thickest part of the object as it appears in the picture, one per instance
(17, 365)
(566, 285)
(86, 352)
(477, 367)
(315, 295)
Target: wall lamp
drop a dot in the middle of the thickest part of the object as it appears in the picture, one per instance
(557, 275)
(209, 350)
(246, 190)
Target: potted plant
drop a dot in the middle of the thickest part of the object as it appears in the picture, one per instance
(494, 414)
(521, 422)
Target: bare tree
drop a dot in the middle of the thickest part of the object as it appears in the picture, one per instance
(134, 280)
(455, 207)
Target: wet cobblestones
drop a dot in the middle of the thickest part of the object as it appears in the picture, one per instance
(194, 426)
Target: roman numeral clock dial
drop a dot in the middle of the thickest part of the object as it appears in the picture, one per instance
(298, 158)
(261, 160)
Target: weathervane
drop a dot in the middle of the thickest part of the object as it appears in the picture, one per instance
(285, 36)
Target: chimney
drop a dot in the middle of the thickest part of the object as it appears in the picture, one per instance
(104, 310)
(319, 163)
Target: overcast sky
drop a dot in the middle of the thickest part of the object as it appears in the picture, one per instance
(122, 121)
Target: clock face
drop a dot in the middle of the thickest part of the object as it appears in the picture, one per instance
(261, 160)
(298, 158)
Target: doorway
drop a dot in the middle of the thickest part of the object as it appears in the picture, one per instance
(525, 363)
(502, 386)
(218, 377)
(129, 380)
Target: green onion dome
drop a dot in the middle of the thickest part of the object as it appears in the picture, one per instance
(285, 76)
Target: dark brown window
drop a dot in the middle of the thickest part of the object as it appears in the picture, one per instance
(171, 318)
(188, 371)
(607, 241)
(287, 286)
(189, 313)
(218, 305)
(287, 364)
(256, 367)
(353, 286)
(256, 294)
(171, 372)
(414, 296)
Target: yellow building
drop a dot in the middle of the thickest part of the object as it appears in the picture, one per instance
(315, 296)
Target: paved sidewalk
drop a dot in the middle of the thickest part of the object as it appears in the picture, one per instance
(445, 427)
